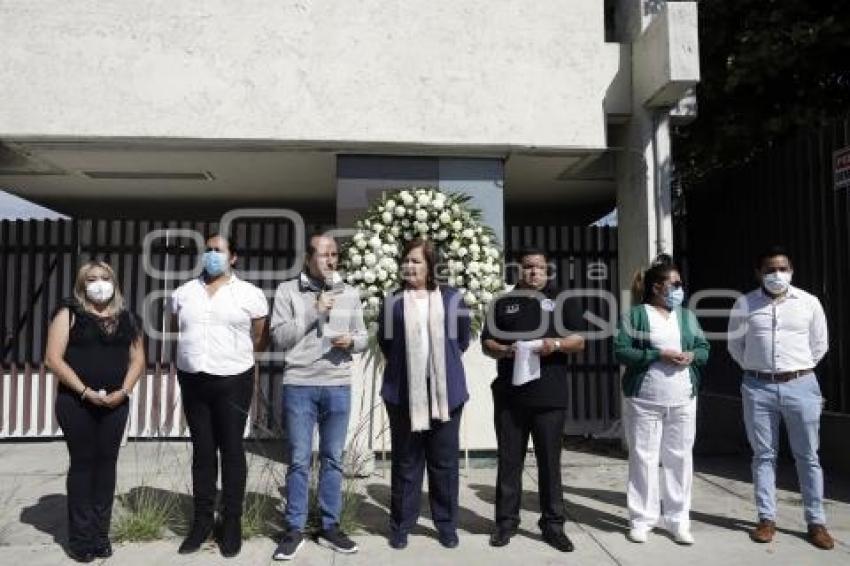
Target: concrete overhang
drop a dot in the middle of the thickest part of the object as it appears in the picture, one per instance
(665, 58)
(120, 177)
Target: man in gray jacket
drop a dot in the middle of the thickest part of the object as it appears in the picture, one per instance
(318, 322)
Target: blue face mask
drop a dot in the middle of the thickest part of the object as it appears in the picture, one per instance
(674, 297)
(215, 263)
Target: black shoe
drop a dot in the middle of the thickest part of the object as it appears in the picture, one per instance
(398, 540)
(558, 540)
(502, 536)
(336, 540)
(103, 550)
(201, 530)
(81, 555)
(449, 539)
(230, 536)
(290, 543)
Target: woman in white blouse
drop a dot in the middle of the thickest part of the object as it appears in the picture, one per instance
(663, 348)
(221, 321)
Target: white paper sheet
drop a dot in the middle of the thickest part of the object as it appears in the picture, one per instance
(526, 362)
(335, 326)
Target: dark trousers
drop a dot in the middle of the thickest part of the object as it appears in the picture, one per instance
(513, 427)
(437, 448)
(216, 409)
(93, 435)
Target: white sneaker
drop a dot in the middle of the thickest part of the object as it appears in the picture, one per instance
(638, 534)
(683, 537)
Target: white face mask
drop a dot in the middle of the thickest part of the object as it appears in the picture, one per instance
(100, 291)
(776, 282)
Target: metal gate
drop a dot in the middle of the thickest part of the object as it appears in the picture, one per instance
(38, 262)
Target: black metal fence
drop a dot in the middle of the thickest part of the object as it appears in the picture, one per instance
(39, 259)
(787, 197)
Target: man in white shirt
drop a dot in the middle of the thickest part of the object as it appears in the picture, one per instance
(778, 334)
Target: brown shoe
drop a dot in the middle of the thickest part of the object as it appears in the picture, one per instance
(820, 537)
(764, 531)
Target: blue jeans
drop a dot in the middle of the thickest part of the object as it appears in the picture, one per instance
(798, 402)
(305, 406)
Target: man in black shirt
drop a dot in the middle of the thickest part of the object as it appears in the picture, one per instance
(532, 311)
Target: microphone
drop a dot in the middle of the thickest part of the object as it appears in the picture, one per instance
(333, 283)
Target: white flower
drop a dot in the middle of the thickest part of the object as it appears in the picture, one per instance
(445, 217)
(370, 259)
(372, 289)
(486, 296)
(377, 227)
(452, 281)
(405, 223)
(421, 215)
(422, 227)
(455, 208)
(356, 260)
(442, 235)
(468, 233)
(473, 267)
(461, 252)
(435, 226)
(390, 204)
(474, 248)
(424, 199)
(470, 298)
(395, 231)
(387, 217)
(359, 236)
(454, 245)
(408, 235)
(382, 275)
(374, 302)
(485, 240)
(400, 211)
(362, 244)
(369, 276)
(459, 280)
(406, 197)
(375, 242)
(439, 202)
(457, 225)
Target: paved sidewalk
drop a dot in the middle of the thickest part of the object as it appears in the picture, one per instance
(32, 514)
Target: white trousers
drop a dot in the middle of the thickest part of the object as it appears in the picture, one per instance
(659, 434)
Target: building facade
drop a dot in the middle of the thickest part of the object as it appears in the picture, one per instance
(546, 110)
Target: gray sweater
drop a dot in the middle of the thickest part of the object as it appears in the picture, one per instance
(302, 334)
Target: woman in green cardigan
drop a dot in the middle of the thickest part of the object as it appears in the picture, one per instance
(662, 346)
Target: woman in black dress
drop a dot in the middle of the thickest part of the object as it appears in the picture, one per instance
(94, 347)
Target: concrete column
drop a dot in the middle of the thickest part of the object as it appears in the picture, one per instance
(360, 180)
(644, 201)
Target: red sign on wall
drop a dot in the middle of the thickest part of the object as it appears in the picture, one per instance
(841, 168)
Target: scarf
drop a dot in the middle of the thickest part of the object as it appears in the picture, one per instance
(429, 376)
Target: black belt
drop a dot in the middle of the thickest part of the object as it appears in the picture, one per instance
(779, 377)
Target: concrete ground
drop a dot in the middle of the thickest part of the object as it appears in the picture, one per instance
(32, 514)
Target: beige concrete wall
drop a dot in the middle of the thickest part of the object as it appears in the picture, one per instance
(512, 72)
